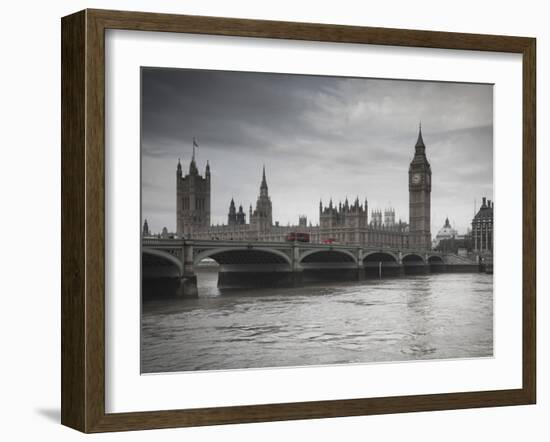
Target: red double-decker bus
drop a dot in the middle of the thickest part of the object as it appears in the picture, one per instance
(296, 236)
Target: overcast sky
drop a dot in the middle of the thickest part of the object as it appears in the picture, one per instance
(319, 137)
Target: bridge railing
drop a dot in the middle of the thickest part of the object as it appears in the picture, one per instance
(164, 242)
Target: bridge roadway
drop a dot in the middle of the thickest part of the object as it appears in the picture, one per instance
(261, 263)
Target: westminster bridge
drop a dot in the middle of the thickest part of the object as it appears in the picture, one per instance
(172, 262)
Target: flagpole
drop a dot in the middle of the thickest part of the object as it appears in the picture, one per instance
(195, 144)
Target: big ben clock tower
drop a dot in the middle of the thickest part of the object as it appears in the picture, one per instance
(420, 188)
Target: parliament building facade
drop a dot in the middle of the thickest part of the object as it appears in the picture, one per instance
(345, 223)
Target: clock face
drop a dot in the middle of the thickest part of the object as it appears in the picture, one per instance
(416, 178)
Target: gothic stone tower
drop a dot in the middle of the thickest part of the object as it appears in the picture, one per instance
(420, 188)
(193, 200)
(262, 218)
(234, 217)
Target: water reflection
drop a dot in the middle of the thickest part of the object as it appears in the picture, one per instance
(436, 316)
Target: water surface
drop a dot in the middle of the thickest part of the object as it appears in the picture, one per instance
(436, 316)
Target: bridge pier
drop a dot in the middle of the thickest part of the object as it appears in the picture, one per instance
(382, 269)
(258, 279)
(438, 268)
(188, 281)
(416, 269)
(188, 287)
(361, 274)
(331, 274)
(297, 278)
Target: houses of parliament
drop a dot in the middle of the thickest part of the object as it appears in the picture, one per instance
(346, 222)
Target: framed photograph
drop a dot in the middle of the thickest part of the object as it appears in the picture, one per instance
(269, 220)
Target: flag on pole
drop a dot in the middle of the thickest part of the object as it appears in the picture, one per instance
(195, 144)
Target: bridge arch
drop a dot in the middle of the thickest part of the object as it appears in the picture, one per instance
(412, 258)
(160, 256)
(381, 263)
(376, 257)
(435, 259)
(243, 255)
(332, 255)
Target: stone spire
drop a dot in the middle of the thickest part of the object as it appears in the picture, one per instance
(263, 186)
(232, 215)
(263, 215)
(420, 140)
(193, 165)
(146, 231)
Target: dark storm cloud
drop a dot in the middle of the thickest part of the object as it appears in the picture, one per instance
(319, 137)
(236, 111)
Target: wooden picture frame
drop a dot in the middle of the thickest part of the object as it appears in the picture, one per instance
(83, 220)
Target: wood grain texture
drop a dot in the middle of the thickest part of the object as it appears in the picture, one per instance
(73, 253)
(529, 220)
(83, 220)
(144, 21)
(95, 222)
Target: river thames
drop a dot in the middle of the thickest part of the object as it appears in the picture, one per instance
(434, 316)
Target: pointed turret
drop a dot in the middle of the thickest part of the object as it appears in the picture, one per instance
(193, 165)
(207, 171)
(232, 215)
(179, 173)
(263, 215)
(241, 219)
(419, 158)
(241, 216)
(420, 140)
(263, 185)
(193, 168)
(146, 231)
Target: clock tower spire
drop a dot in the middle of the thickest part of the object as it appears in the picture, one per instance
(420, 189)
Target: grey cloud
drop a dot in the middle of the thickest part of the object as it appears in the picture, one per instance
(318, 136)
